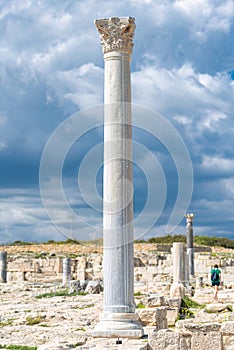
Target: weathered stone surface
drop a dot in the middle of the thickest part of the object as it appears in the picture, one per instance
(26, 320)
(172, 314)
(73, 318)
(202, 327)
(147, 316)
(216, 307)
(177, 291)
(154, 301)
(54, 346)
(161, 318)
(206, 341)
(228, 342)
(105, 344)
(173, 302)
(181, 323)
(164, 339)
(94, 287)
(152, 278)
(185, 340)
(227, 328)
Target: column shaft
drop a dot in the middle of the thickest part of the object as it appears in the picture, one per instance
(118, 318)
(117, 186)
(66, 271)
(178, 262)
(190, 248)
(3, 267)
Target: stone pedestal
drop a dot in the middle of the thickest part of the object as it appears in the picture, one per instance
(118, 325)
(3, 267)
(119, 318)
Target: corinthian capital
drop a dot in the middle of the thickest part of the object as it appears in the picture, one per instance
(189, 217)
(116, 33)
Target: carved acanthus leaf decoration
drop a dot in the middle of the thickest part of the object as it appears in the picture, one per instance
(116, 34)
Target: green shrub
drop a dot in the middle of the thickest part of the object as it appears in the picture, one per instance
(210, 241)
(140, 306)
(6, 323)
(30, 321)
(137, 294)
(85, 306)
(18, 243)
(168, 239)
(59, 293)
(185, 311)
(189, 303)
(18, 347)
(214, 241)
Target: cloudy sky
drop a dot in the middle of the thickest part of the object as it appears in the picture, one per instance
(51, 66)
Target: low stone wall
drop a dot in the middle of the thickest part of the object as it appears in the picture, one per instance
(152, 269)
(194, 336)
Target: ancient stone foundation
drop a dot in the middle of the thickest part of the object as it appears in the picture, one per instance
(194, 336)
(153, 271)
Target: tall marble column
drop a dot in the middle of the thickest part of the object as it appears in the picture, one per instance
(118, 318)
(190, 249)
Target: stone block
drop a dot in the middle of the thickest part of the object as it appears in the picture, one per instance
(228, 342)
(106, 344)
(97, 269)
(94, 287)
(161, 318)
(216, 307)
(153, 261)
(58, 266)
(147, 316)
(9, 276)
(141, 270)
(173, 302)
(228, 277)
(185, 340)
(200, 270)
(180, 325)
(202, 327)
(172, 314)
(19, 276)
(165, 339)
(205, 341)
(227, 328)
(81, 275)
(177, 290)
(53, 346)
(154, 301)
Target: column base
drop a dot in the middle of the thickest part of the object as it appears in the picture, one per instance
(118, 325)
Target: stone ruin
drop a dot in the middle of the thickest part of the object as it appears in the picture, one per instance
(153, 271)
(162, 277)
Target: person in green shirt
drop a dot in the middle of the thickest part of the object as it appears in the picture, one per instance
(215, 279)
